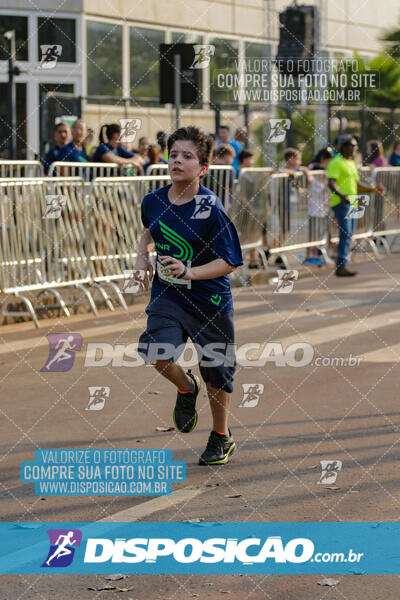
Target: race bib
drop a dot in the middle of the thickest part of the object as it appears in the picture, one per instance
(170, 278)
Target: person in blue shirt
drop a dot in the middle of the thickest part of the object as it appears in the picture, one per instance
(111, 149)
(62, 133)
(74, 151)
(394, 159)
(197, 247)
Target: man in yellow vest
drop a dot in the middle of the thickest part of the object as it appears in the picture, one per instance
(343, 181)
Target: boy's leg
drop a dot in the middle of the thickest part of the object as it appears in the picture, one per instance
(220, 445)
(219, 404)
(175, 374)
(185, 414)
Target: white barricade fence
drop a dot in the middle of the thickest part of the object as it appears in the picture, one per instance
(42, 240)
(249, 210)
(387, 206)
(115, 227)
(219, 179)
(21, 168)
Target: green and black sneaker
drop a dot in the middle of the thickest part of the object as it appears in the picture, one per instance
(219, 449)
(185, 413)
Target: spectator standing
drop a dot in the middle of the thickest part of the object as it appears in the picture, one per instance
(375, 154)
(74, 151)
(162, 139)
(343, 181)
(62, 133)
(112, 151)
(394, 159)
(143, 151)
(223, 155)
(223, 135)
(237, 144)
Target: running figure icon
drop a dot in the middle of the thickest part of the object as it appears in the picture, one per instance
(63, 543)
(63, 345)
(62, 549)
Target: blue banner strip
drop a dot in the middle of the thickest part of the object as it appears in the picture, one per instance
(200, 548)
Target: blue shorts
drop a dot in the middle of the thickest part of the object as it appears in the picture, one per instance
(168, 329)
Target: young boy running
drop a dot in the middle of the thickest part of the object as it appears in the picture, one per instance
(197, 246)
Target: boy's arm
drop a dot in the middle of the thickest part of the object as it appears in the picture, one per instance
(212, 270)
(142, 260)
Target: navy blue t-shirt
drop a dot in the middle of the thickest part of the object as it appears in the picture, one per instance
(69, 153)
(196, 233)
(106, 148)
(51, 156)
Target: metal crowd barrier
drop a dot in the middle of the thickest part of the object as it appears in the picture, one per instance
(55, 235)
(115, 227)
(219, 179)
(43, 235)
(387, 207)
(281, 212)
(21, 168)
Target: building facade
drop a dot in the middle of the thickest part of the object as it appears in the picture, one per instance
(108, 65)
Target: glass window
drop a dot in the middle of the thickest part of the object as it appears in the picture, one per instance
(224, 61)
(20, 25)
(104, 59)
(145, 65)
(256, 50)
(60, 32)
(186, 38)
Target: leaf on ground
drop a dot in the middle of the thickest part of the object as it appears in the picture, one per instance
(211, 485)
(193, 521)
(115, 577)
(128, 589)
(154, 392)
(102, 588)
(328, 581)
(233, 496)
(165, 428)
(140, 441)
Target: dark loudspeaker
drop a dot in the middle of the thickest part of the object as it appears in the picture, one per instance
(189, 76)
(296, 39)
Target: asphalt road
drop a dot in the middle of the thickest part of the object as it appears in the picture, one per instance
(305, 414)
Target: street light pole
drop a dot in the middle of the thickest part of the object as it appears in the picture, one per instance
(11, 94)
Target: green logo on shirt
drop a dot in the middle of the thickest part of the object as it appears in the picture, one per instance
(185, 249)
(216, 299)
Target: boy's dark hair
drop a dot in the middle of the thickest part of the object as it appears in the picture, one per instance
(224, 127)
(202, 141)
(245, 154)
(291, 153)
